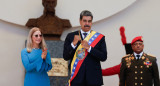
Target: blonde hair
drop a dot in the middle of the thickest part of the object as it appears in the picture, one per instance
(29, 40)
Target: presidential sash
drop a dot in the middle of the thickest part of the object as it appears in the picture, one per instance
(93, 38)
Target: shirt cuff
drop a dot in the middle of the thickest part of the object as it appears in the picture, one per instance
(73, 45)
(89, 49)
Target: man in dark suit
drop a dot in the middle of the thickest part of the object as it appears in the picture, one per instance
(139, 68)
(85, 48)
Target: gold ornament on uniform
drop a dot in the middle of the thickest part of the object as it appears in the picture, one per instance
(143, 57)
(135, 83)
(151, 55)
(135, 77)
(135, 72)
(135, 66)
(128, 61)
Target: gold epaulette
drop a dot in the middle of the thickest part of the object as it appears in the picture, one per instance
(126, 55)
(150, 55)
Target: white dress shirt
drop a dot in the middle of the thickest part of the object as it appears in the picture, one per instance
(135, 54)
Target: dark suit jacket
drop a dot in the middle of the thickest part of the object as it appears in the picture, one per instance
(138, 73)
(90, 71)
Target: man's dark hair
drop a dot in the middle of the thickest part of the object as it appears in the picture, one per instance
(86, 13)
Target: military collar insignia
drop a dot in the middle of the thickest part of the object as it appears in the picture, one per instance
(143, 57)
(132, 55)
(144, 54)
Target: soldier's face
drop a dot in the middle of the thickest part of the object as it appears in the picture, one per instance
(86, 23)
(138, 47)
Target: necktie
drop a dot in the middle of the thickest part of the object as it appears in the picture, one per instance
(137, 57)
(85, 34)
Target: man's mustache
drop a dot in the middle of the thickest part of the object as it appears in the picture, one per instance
(86, 26)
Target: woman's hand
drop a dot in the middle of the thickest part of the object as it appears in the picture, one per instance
(44, 53)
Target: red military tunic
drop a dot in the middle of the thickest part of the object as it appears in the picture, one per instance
(112, 70)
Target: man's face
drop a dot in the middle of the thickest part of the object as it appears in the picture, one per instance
(138, 47)
(86, 23)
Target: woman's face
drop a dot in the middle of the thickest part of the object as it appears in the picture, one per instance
(37, 37)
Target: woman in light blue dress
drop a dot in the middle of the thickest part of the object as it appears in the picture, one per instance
(36, 60)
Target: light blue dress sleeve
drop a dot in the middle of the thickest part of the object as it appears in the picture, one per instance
(36, 65)
(43, 66)
(48, 64)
